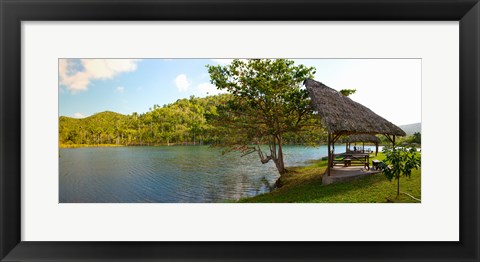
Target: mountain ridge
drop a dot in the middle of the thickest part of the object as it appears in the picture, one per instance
(410, 129)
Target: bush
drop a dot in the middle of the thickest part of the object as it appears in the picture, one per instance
(398, 161)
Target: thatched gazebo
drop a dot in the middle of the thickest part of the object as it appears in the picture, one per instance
(342, 116)
(362, 138)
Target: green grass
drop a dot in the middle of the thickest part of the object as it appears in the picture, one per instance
(304, 185)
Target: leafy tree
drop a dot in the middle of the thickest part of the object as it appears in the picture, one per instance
(267, 103)
(417, 138)
(398, 161)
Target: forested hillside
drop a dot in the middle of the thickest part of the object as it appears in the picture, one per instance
(187, 121)
(184, 121)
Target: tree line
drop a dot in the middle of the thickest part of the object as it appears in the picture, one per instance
(182, 122)
(191, 121)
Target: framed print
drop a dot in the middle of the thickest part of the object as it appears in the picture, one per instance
(134, 130)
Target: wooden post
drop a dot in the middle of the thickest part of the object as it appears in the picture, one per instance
(392, 139)
(329, 156)
(333, 148)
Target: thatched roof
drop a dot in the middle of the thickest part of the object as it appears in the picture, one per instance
(363, 138)
(340, 114)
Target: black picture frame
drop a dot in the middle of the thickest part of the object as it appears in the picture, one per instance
(13, 12)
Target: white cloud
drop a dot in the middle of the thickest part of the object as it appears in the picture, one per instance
(182, 82)
(77, 78)
(120, 89)
(78, 115)
(209, 89)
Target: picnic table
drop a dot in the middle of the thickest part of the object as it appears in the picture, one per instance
(354, 158)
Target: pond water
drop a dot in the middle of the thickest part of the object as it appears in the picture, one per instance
(172, 174)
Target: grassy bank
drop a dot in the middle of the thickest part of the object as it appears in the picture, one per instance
(304, 185)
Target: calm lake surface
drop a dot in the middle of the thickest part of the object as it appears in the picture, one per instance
(172, 174)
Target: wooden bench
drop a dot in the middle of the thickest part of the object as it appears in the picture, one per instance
(352, 160)
(361, 160)
(347, 161)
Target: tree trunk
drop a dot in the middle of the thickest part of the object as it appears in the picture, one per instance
(279, 160)
(398, 186)
(280, 165)
(276, 154)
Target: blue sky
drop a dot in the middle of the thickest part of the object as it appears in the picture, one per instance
(390, 87)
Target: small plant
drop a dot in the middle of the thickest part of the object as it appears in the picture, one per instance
(398, 161)
(348, 92)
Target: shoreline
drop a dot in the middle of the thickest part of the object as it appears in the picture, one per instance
(115, 145)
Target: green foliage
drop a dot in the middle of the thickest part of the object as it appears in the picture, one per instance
(417, 138)
(348, 92)
(399, 161)
(182, 122)
(186, 121)
(267, 105)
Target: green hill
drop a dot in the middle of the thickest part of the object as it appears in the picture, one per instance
(100, 128)
(182, 122)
